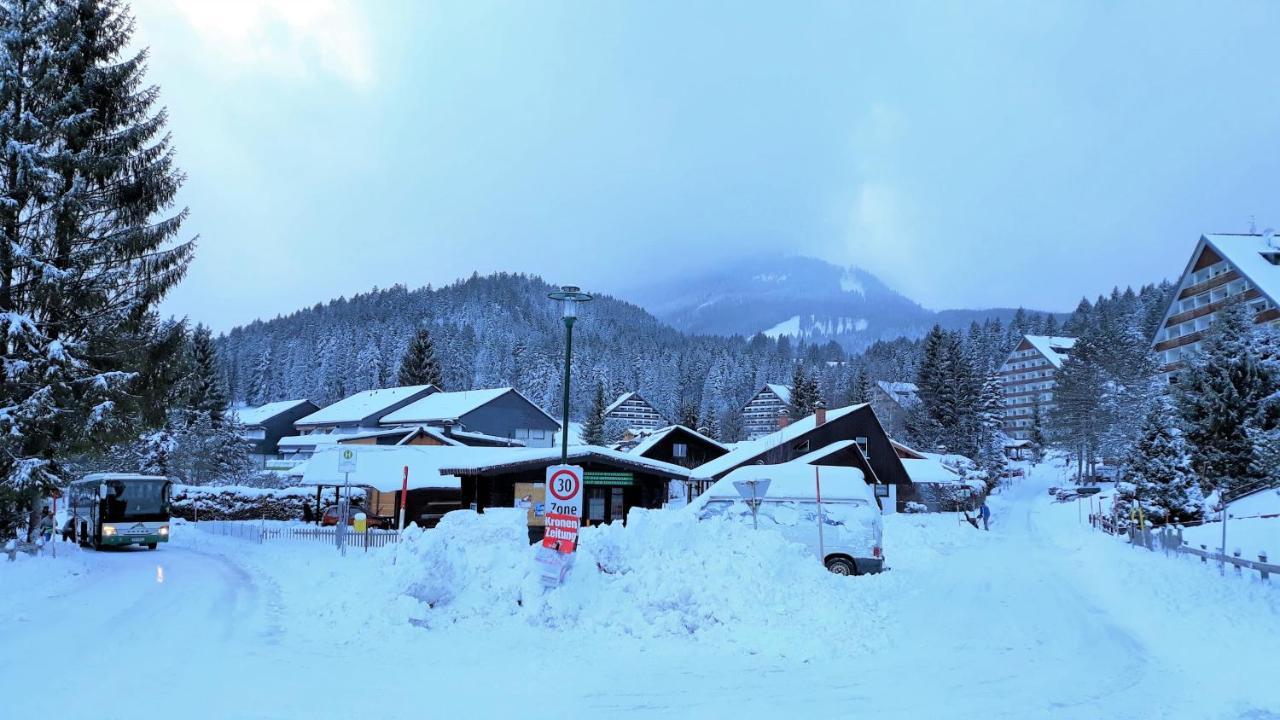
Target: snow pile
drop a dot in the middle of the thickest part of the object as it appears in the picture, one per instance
(664, 574)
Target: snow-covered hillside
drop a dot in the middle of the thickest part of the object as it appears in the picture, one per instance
(1040, 617)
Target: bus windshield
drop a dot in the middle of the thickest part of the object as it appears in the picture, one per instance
(136, 500)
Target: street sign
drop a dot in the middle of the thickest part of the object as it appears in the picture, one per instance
(753, 492)
(561, 533)
(346, 460)
(564, 491)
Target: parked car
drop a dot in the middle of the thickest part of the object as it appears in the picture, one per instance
(852, 537)
(331, 513)
(1013, 472)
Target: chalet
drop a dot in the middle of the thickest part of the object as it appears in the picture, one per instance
(761, 413)
(679, 445)
(483, 478)
(850, 436)
(363, 410)
(634, 412)
(891, 400)
(496, 412)
(1224, 269)
(263, 426)
(1028, 380)
(296, 449)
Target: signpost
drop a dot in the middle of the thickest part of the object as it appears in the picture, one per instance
(346, 466)
(817, 487)
(404, 497)
(752, 491)
(563, 517)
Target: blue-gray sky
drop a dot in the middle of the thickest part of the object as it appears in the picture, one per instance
(970, 154)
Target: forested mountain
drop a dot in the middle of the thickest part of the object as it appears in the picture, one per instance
(801, 297)
(501, 330)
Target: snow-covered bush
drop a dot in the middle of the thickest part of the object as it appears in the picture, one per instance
(915, 507)
(233, 502)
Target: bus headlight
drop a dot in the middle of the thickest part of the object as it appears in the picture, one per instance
(164, 530)
(108, 530)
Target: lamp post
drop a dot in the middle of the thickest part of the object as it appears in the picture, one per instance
(569, 296)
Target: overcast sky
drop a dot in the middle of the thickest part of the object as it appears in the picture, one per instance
(997, 154)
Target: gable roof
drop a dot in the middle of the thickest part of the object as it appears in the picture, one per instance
(782, 391)
(1245, 253)
(743, 452)
(441, 406)
(263, 413)
(623, 398)
(1054, 348)
(363, 404)
(824, 452)
(904, 451)
(903, 393)
(656, 436)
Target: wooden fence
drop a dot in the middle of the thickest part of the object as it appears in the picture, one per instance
(261, 533)
(1170, 541)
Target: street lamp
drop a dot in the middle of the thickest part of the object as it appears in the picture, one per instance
(570, 296)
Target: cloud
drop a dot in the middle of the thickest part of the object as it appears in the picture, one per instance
(293, 39)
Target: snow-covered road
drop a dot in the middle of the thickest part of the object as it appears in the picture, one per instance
(1037, 618)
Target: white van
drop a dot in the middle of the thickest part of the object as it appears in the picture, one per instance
(852, 532)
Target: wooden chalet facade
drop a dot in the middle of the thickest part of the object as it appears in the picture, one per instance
(1224, 269)
(263, 426)
(850, 437)
(1028, 377)
(679, 445)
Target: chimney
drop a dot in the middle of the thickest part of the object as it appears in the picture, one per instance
(784, 418)
(819, 413)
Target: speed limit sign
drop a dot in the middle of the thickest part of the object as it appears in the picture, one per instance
(564, 490)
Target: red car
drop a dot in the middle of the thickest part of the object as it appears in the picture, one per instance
(330, 517)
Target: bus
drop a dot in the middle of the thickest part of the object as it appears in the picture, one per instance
(118, 509)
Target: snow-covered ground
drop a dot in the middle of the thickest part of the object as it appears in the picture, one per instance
(1041, 617)
(1254, 527)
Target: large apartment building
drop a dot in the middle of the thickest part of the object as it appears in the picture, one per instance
(1028, 380)
(760, 415)
(1223, 269)
(635, 412)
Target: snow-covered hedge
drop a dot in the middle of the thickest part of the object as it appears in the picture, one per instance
(236, 502)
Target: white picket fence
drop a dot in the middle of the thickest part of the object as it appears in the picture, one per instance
(260, 532)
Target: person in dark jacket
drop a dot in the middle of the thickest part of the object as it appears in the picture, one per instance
(984, 512)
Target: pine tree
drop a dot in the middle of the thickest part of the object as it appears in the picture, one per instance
(860, 387)
(420, 366)
(593, 428)
(206, 396)
(1219, 397)
(86, 171)
(1157, 473)
(259, 390)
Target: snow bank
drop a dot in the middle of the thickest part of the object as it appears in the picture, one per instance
(663, 575)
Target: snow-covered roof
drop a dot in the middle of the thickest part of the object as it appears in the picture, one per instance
(621, 399)
(798, 480)
(782, 391)
(482, 437)
(263, 413)
(382, 467)
(905, 449)
(656, 436)
(317, 439)
(903, 393)
(812, 458)
(441, 406)
(930, 470)
(743, 452)
(1245, 253)
(474, 460)
(1053, 348)
(362, 405)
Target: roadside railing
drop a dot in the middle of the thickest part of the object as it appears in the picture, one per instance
(261, 533)
(1169, 540)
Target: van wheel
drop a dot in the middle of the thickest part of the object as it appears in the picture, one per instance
(151, 546)
(842, 566)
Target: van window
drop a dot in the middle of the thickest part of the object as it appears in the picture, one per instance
(786, 513)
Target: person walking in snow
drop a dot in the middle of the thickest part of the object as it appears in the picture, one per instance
(46, 525)
(984, 512)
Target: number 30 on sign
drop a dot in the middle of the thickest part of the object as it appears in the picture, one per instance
(564, 490)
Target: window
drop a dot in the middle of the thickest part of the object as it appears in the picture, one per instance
(802, 446)
(537, 434)
(522, 434)
(862, 445)
(679, 450)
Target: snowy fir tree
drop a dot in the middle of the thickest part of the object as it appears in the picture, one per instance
(859, 387)
(1219, 396)
(87, 173)
(1157, 472)
(259, 390)
(593, 428)
(205, 395)
(419, 365)
(805, 393)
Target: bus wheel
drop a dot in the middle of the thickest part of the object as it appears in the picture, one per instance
(151, 546)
